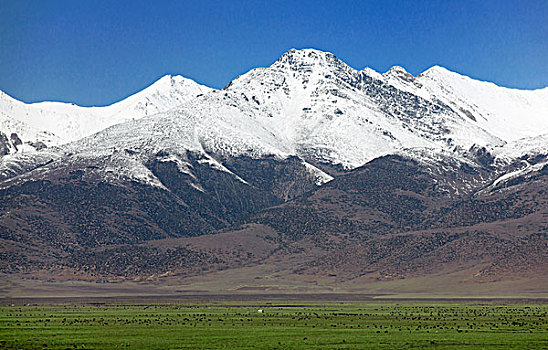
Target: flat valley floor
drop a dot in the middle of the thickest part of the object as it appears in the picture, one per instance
(272, 322)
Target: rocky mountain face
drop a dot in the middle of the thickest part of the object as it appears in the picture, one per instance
(310, 166)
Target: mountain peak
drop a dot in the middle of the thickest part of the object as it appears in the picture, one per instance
(308, 57)
(308, 52)
(167, 85)
(436, 70)
(170, 80)
(400, 73)
(372, 73)
(397, 69)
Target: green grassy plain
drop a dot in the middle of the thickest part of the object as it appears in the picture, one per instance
(314, 325)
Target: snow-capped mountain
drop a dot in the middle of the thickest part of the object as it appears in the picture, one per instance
(305, 149)
(509, 114)
(331, 113)
(37, 125)
(307, 104)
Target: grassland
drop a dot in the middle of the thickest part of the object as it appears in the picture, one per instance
(288, 325)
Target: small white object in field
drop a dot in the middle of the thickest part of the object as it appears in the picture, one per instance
(260, 311)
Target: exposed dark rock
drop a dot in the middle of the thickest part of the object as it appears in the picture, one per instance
(15, 139)
(4, 144)
(38, 145)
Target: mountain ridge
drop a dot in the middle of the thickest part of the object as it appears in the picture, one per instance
(408, 85)
(57, 123)
(307, 159)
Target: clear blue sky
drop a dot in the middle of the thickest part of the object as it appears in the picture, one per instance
(97, 52)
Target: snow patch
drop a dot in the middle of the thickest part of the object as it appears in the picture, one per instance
(321, 177)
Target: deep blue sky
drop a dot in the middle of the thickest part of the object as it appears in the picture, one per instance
(97, 52)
